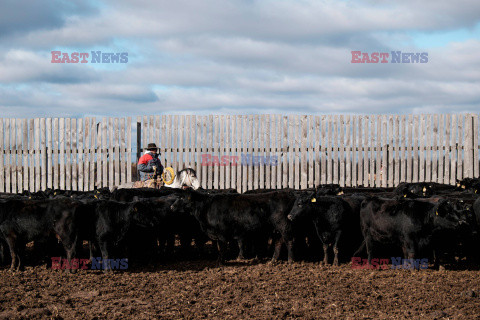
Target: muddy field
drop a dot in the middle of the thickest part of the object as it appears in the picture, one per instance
(240, 290)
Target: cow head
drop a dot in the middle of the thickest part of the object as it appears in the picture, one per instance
(447, 218)
(185, 201)
(301, 205)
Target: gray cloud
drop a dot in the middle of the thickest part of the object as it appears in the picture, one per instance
(236, 57)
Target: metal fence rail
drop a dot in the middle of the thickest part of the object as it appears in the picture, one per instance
(242, 151)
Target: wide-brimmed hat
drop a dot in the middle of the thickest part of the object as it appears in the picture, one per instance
(151, 146)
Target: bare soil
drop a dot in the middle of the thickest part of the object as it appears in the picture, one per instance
(240, 290)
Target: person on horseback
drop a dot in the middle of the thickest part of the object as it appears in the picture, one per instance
(149, 166)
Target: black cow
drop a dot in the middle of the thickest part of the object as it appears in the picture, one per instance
(471, 185)
(128, 195)
(414, 225)
(116, 222)
(329, 190)
(23, 221)
(243, 218)
(414, 190)
(332, 217)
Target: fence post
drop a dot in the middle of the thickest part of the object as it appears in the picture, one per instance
(139, 141)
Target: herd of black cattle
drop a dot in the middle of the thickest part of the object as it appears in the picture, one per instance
(414, 220)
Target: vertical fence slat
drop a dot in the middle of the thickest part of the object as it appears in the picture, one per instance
(204, 144)
(475, 133)
(352, 161)
(384, 166)
(311, 151)
(8, 183)
(254, 154)
(81, 154)
(303, 153)
(175, 143)
(220, 131)
(291, 148)
(228, 151)
(453, 148)
(243, 148)
(396, 179)
(330, 148)
(185, 143)
(403, 169)
(93, 152)
(111, 156)
(104, 151)
(98, 154)
(261, 155)
(335, 149)
(55, 150)
(362, 144)
(200, 168)
(13, 166)
(37, 155)
(86, 153)
(390, 152)
(442, 151)
(324, 152)
(316, 149)
(364, 126)
(284, 149)
(434, 148)
(238, 149)
(446, 143)
(460, 145)
(467, 154)
(415, 149)
(277, 130)
(116, 151)
(68, 150)
(341, 153)
(24, 154)
(422, 149)
(378, 167)
(268, 149)
(19, 152)
(348, 162)
(2, 150)
(123, 161)
(372, 151)
(208, 131)
(74, 155)
(129, 148)
(428, 147)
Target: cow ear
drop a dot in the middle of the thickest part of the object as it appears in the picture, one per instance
(314, 200)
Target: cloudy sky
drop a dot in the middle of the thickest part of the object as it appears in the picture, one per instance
(238, 57)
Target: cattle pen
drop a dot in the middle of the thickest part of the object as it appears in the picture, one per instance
(243, 152)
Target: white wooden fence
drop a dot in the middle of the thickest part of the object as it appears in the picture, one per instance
(352, 150)
(70, 154)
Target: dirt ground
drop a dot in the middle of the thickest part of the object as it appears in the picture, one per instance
(240, 290)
